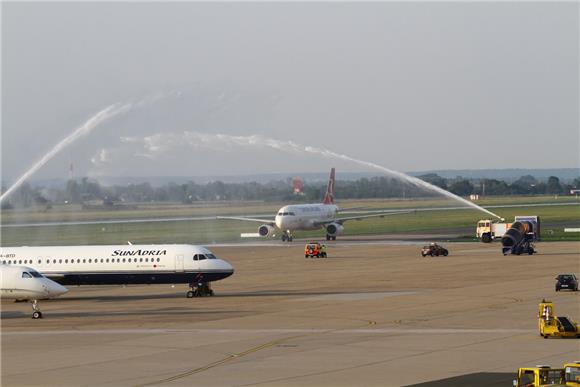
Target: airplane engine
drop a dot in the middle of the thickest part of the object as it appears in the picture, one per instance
(333, 229)
(266, 230)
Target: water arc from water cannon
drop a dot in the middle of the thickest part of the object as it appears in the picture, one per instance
(94, 121)
(411, 179)
(286, 146)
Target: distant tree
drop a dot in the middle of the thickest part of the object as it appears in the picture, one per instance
(6, 205)
(524, 185)
(494, 187)
(540, 188)
(72, 191)
(461, 187)
(527, 179)
(434, 179)
(553, 186)
(90, 190)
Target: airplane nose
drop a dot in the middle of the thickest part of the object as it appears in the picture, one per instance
(279, 222)
(54, 289)
(226, 267)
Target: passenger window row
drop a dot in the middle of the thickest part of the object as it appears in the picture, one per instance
(90, 260)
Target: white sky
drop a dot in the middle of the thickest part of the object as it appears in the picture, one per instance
(410, 86)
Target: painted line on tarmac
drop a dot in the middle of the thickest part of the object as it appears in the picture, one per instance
(354, 296)
(364, 331)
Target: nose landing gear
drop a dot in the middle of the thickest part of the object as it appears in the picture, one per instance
(199, 289)
(287, 237)
(36, 313)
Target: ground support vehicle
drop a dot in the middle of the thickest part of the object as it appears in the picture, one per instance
(539, 376)
(434, 249)
(315, 249)
(488, 230)
(551, 325)
(572, 374)
(200, 289)
(567, 282)
(520, 237)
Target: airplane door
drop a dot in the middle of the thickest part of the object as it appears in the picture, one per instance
(179, 262)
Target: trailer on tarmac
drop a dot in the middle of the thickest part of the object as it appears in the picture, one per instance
(572, 374)
(551, 325)
(539, 376)
(542, 375)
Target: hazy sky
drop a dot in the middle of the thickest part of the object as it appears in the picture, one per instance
(411, 86)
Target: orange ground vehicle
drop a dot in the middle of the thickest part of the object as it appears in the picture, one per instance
(314, 249)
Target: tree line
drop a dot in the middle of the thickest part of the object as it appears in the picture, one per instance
(86, 190)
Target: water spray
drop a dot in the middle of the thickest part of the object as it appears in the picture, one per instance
(102, 116)
(203, 140)
(411, 179)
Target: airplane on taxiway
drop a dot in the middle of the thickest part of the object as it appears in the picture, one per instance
(296, 217)
(124, 264)
(25, 283)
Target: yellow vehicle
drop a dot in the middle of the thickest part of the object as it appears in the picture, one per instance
(572, 374)
(540, 376)
(551, 325)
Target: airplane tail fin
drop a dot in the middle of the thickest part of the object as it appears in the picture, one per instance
(329, 196)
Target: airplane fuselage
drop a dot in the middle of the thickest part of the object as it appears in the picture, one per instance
(305, 216)
(120, 264)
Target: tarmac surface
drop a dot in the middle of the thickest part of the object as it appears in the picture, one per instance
(371, 314)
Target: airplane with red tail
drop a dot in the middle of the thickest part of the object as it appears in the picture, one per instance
(296, 217)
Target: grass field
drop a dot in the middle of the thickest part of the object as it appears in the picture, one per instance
(457, 222)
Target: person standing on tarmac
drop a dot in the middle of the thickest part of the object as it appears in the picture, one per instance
(323, 249)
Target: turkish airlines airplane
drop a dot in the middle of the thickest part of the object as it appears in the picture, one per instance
(124, 264)
(296, 217)
(25, 283)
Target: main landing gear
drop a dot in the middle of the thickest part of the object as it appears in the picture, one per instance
(286, 237)
(200, 289)
(330, 237)
(36, 313)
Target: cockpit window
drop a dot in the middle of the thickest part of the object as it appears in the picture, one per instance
(202, 257)
(36, 274)
(211, 256)
(26, 275)
(280, 213)
(291, 214)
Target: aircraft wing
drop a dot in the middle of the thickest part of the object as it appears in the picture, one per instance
(263, 221)
(361, 217)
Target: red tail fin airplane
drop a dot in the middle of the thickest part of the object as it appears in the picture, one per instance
(296, 217)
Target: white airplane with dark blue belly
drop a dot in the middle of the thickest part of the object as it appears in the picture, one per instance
(124, 264)
(296, 217)
(25, 283)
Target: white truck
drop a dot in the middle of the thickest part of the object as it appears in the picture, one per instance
(488, 230)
